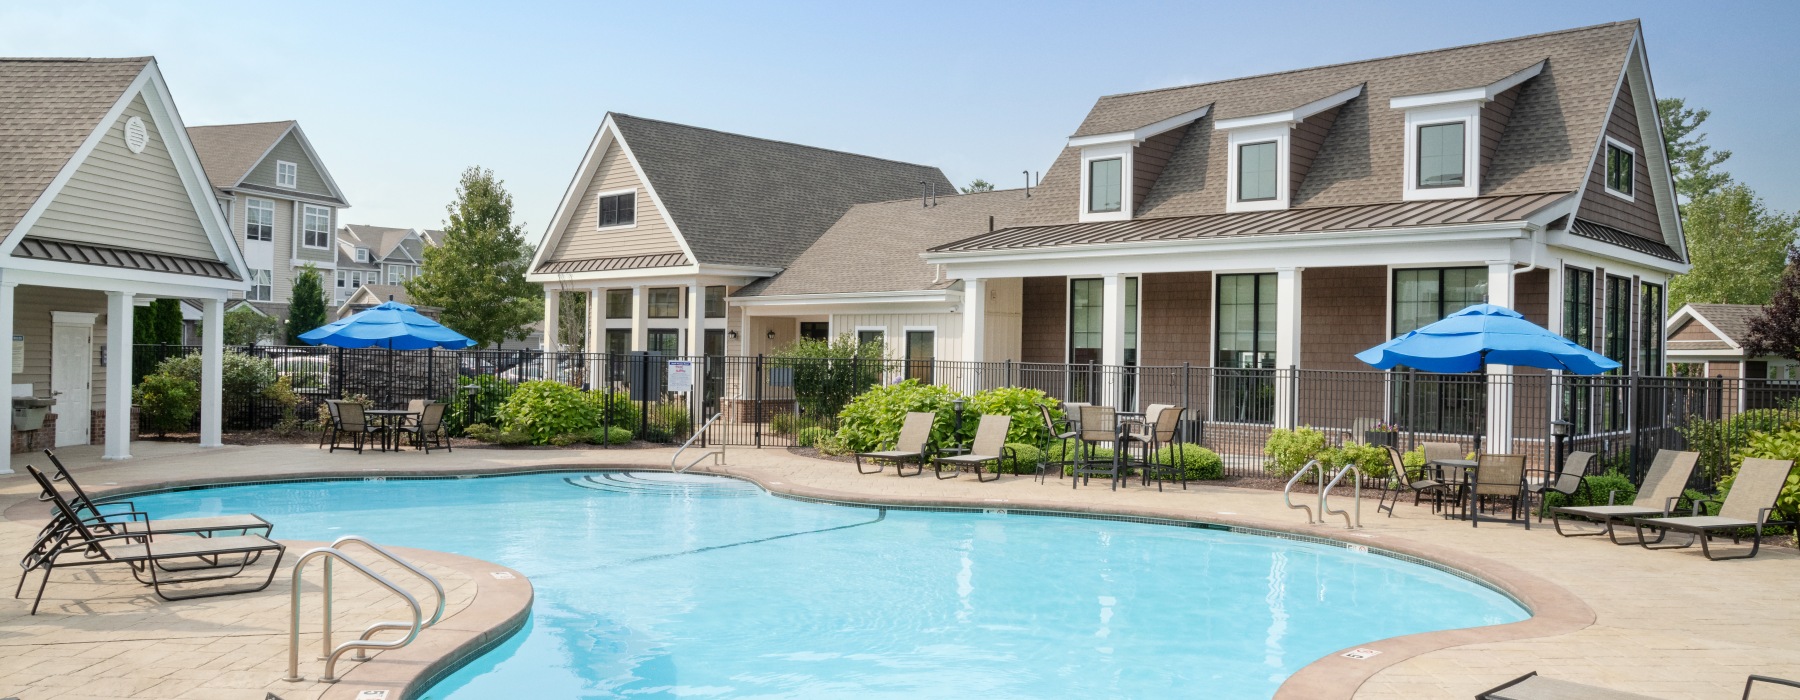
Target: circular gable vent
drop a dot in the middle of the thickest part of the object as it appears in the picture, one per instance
(136, 135)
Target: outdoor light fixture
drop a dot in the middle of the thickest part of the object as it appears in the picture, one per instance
(771, 334)
(1560, 430)
(733, 334)
(957, 405)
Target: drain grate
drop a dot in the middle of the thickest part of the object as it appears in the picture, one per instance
(666, 484)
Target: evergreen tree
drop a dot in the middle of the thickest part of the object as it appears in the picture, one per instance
(157, 323)
(1691, 161)
(478, 275)
(1737, 247)
(307, 309)
(1776, 331)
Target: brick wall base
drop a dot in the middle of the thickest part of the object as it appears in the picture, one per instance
(44, 438)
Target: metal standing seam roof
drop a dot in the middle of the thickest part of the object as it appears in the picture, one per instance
(1313, 220)
(629, 262)
(85, 254)
(1608, 234)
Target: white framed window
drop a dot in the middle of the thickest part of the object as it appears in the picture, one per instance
(1106, 182)
(1621, 164)
(1257, 170)
(1105, 185)
(362, 255)
(617, 209)
(343, 283)
(315, 226)
(1258, 164)
(259, 219)
(1443, 148)
(262, 286)
(287, 174)
(396, 274)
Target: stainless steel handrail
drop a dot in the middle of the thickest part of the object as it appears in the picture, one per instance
(716, 452)
(1287, 491)
(1325, 495)
(331, 654)
(381, 626)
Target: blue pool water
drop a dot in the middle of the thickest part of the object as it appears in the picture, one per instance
(670, 586)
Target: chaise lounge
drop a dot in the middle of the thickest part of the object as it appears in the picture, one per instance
(1532, 686)
(1662, 490)
(989, 447)
(1746, 507)
(915, 436)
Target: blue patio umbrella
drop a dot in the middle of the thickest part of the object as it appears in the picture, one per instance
(1480, 335)
(391, 325)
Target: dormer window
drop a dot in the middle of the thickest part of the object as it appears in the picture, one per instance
(1257, 171)
(362, 255)
(1441, 155)
(1267, 162)
(287, 174)
(1105, 185)
(1620, 161)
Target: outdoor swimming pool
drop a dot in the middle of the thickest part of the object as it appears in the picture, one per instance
(657, 585)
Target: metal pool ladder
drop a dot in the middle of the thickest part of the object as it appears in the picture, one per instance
(335, 551)
(1288, 491)
(1325, 508)
(717, 452)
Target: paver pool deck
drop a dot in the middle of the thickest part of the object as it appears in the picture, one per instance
(1668, 624)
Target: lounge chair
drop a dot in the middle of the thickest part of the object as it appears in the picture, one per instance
(915, 437)
(1747, 507)
(1532, 686)
(145, 554)
(1572, 480)
(1661, 492)
(113, 523)
(1435, 451)
(1403, 482)
(428, 429)
(348, 419)
(989, 447)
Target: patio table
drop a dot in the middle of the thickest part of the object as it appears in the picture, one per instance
(389, 419)
(1464, 475)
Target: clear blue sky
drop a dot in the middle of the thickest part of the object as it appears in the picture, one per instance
(399, 98)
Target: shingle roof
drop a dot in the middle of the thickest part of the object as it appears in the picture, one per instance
(383, 292)
(230, 151)
(107, 256)
(1546, 146)
(1368, 216)
(48, 107)
(875, 247)
(740, 200)
(381, 240)
(1731, 319)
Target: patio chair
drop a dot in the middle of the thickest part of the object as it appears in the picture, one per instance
(1162, 431)
(416, 407)
(1403, 482)
(1435, 451)
(1062, 432)
(109, 523)
(1659, 495)
(348, 419)
(989, 447)
(429, 428)
(1747, 507)
(915, 435)
(1571, 481)
(1498, 476)
(331, 409)
(1099, 426)
(1532, 686)
(145, 553)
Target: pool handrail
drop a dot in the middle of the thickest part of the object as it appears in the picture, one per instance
(1287, 492)
(1325, 494)
(716, 452)
(330, 554)
(436, 587)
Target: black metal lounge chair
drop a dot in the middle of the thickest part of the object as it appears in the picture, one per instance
(1402, 482)
(145, 554)
(1747, 507)
(1659, 496)
(1532, 686)
(105, 523)
(912, 446)
(989, 447)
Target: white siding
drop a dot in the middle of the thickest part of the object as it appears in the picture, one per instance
(947, 326)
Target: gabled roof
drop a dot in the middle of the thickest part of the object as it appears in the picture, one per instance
(875, 247)
(1730, 322)
(48, 107)
(231, 151)
(1546, 147)
(381, 240)
(741, 200)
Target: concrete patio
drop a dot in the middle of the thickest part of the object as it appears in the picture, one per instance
(1666, 624)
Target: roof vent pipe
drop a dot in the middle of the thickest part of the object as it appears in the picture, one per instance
(1027, 183)
(923, 201)
(990, 223)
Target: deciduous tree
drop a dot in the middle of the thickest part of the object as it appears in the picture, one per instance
(1776, 331)
(1737, 247)
(244, 326)
(978, 185)
(478, 275)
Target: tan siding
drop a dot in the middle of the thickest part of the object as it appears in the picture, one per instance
(1639, 216)
(288, 149)
(1044, 319)
(1531, 296)
(1494, 116)
(1175, 319)
(1149, 159)
(948, 329)
(129, 200)
(1005, 306)
(582, 239)
(31, 318)
(1343, 311)
(1304, 143)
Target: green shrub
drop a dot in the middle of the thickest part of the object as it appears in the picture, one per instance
(1201, 464)
(1372, 460)
(512, 437)
(1024, 459)
(1289, 450)
(480, 431)
(244, 376)
(1783, 444)
(465, 409)
(542, 410)
(831, 445)
(569, 439)
(623, 413)
(809, 437)
(1715, 439)
(1600, 487)
(669, 422)
(872, 421)
(1022, 404)
(166, 402)
(1414, 461)
(784, 424)
(829, 373)
(611, 436)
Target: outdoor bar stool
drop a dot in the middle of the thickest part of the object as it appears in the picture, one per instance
(1099, 426)
(1161, 430)
(1063, 432)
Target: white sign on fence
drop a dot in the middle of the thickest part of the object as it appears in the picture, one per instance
(681, 375)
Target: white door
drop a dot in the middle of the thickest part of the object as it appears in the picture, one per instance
(71, 379)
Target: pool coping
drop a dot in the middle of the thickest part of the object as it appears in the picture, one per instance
(1554, 609)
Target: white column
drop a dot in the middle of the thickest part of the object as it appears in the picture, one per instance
(974, 320)
(1112, 339)
(596, 337)
(1287, 342)
(551, 318)
(640, 312)
(696, 311)
(212, 371)
(119, 308)
(6, 360)
(1500, 386)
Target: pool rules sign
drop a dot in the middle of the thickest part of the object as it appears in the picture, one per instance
(681, 376)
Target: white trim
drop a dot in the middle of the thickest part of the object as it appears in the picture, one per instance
(1116, 151)
(1687, 310)
(1469, 113)
(606, 135)
(614, 193)
(1484, 93)
(907, 297)
(1451, 233)
(1606, 165)
(251, 203)
(72, 318)
(1292, 116)
(1250, 136)
(740, 275)
(1140, 134)
(1656, 161)
(115, 283)
(305, 209)
(281, 168)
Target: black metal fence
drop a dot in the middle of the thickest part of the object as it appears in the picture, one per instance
(776, 402)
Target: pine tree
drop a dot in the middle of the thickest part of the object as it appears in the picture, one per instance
(157, 323)
(1776, 331)
(478, 275)
(307, 309)
(1691, 161)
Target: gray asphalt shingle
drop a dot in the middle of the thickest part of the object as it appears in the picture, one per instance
(48, 107)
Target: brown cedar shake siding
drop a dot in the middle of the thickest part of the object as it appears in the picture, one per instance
(1637, 216)
(1175, 315)
(1343, 311)
(1044, 319)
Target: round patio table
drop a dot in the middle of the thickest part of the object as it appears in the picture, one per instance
(389, 419)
